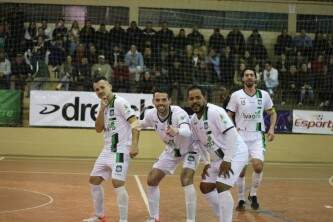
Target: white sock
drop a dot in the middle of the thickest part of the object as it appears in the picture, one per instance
(97, 193)
(153, 194)
(191, 202)
(122, 200)
(213, 201)
(226, 203)
(256, 180)
(241, 188)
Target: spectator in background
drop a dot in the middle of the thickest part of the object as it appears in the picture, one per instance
(236, 41)
(134, 61)
(249, 60)
(116, 56)
(101, 69)
(181, 41)
(303, 43)
(284, 43)
(5, 71)
(117, 36)
(75, 29)
(227, 62)
(291, 85)
(66, 75)
(318, 70)
(195, 38)
(82, 75)
(238, 83)
(256, 47)
(306, 80)
(40, 75)
(79, 53)
(102, 37)
(92, 54)
(60, 31)
(3, 33)
(327, 102)
(217, 41)
(87, 34)
(120, 81)
(21, 71)
(254, 39)
(282, 64)
(214, 61)
(72, 44)
(271, 78)
(148, 58)
(149, 36)
(30, 34)
(47, 30)
(134, 36)
(146, 84)
(165, 36)
(319, 44)
(57, 58)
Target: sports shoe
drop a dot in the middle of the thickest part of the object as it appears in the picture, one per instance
(254, 202)
(95, 219)
(150, 219)
(241, 205)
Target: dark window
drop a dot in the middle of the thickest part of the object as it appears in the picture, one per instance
(314, 23)
(212, 19)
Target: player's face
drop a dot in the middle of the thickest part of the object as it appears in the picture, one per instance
(102, 88)
(196, 100)
(249, 78)
(161, 102)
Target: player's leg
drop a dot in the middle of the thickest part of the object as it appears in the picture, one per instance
(100, 172)
(208, 187)
(223, 185)
(190, 163)
(166, 164)
(240, 183)
(119, 175)
(153, 192)
(257, 155)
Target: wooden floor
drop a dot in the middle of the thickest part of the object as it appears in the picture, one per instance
(57, 190)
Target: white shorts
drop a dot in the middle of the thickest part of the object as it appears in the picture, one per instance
(257, 148)
(167, 162)
(111, 165)
(236, 166)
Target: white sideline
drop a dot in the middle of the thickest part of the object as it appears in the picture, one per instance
(142, 191)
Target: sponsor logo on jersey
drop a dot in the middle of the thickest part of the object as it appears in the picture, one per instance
(119, 168)
(251, 116)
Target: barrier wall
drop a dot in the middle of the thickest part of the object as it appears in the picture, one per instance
(56, 142)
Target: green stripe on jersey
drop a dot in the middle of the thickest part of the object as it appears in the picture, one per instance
(114, 142)
(119, 157)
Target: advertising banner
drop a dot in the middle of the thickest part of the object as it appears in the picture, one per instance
(314, 122)
(75, 109)
(10, 107)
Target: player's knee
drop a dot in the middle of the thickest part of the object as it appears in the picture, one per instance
(186, 177)
(118, 183)
(221, 187)
(207, 187)
(152, 181)
(258, 167)
(95, 180)
(242, 173)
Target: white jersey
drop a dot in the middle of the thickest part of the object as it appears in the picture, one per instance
(249, 110)
(117, 130)
(177, 116)
(210, 131)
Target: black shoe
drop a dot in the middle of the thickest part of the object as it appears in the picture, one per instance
(254, 202)
(241, 205)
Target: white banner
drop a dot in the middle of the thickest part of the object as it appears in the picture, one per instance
(317, 122)
(75, 109)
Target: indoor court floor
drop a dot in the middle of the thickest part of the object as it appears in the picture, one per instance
(57, 190)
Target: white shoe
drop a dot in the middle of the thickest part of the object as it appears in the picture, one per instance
(150, 219)
(95, 219)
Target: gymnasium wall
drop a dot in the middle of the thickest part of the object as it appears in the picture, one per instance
(87, 143)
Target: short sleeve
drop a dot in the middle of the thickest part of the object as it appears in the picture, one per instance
(125, 109)
(182, 118)
(222, 120)
(232, 105)
(268, 103)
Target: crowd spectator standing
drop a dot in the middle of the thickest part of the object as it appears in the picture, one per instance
(138, 59)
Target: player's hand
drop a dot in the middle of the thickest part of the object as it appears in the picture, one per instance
(225, 169)
(104, 102)
(171, 131)
(134, 152)
(270, 135)
(205, 172)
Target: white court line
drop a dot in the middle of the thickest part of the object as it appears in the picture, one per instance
(2, 158)
(143, 193)
(144, 175)
(28, 208)
(328, 207)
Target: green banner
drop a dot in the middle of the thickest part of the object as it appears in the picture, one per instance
(10, 107)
